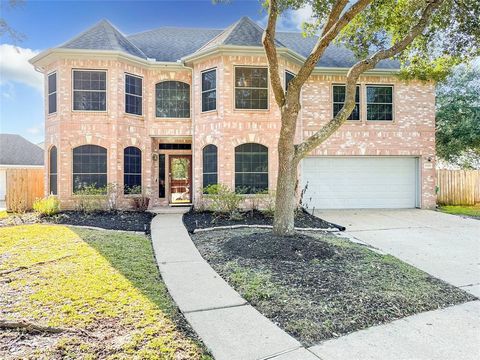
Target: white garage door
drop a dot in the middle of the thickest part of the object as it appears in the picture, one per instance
(360, 182)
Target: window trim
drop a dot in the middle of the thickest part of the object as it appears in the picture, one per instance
(361, 104)
(155, 101)
(50, 93)
(202, 91)
(140, 96)
(391, 121)
(71, 166)
(250, 172)
(285, 78)
(203, 163)
(234, 103)
(141, 171)
(106, 91)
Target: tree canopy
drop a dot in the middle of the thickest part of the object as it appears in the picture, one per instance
(458, 116)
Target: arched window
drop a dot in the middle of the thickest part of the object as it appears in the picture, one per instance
(132, 170)
(172, 99)
(52, 168)
(89, 167)
(251, 168)
(210, 165)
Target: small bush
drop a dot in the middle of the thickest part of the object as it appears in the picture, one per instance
(269, 204)
(18, 203)
(140, 201)
(223, 200)
(91, 198)
(112, 196)
(47, 206)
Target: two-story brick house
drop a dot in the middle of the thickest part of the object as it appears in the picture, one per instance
(172, 110)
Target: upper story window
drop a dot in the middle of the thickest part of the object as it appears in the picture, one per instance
(172, 99)
(90, 90)
(339, 100)
(52, 93)
(209, 90)
(288, 77)
(251, 88)
(379, 102)
(133, 94)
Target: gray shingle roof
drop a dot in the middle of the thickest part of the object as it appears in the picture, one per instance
(16, 150)
(103, 36)
(171, 44)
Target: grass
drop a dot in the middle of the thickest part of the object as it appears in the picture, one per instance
(472, 211)
(3, 214)
(345, 288)
(104, 282)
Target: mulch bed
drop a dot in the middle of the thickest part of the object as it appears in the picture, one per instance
(112, 220)
(206, 219)
(317, 286)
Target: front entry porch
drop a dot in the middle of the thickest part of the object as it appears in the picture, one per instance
(172, 172)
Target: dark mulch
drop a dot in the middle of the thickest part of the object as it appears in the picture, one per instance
(206, 219)
(112, 220)
(317, 286)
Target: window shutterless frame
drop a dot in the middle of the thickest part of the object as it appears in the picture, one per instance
(288, 77)
(208, 91)
(105, 91)
(392, 103)
(52, 93)
(359, 103)
(235, 67)
(164, 86)
(127, 94)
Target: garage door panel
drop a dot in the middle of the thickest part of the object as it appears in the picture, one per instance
(360, 182)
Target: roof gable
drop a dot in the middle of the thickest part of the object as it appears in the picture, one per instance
(16, 150)
(103, 36)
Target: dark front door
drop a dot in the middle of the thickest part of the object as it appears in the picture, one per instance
(180, 179)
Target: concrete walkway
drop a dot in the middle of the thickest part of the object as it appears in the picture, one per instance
(229, 327)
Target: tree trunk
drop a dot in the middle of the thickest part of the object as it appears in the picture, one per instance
(285, 200)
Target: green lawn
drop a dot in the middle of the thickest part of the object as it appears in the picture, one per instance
(103, 282)
(473, 211)
(3, 214)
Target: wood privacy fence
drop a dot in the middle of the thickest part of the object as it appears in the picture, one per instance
(24, 186)
(458, 187)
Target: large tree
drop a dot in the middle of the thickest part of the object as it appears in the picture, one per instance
(458, 116)
(427, 36)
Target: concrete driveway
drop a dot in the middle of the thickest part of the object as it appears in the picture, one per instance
(445, 246)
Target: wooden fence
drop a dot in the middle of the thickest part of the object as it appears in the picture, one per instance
(24, 186)
(458, 187)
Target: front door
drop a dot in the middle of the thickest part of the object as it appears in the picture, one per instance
(180, 179)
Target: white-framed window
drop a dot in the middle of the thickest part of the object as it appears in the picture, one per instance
(90, 90)
(172, 99)
(133, 94)
(379, 102)
(52, 93)
(209, 90)
(251, 88)
(338, 95)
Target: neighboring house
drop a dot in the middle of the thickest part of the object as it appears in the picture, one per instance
(175, 109)
(17, 152)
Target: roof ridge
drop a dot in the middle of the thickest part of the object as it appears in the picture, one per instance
(173, 27)
(227, 30)
(105, 21)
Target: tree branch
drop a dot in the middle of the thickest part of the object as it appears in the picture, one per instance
(301, 150)
(330, 33)
(271, 51)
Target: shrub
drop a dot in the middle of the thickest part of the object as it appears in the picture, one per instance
(140, 201)
(47, 206)
(18, 202)
(269, 203)
(112, 196)
(91, 198)
(223, 200)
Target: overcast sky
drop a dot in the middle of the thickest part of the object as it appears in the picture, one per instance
(47, 24)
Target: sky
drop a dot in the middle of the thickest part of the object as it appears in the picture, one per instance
(47, 24)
